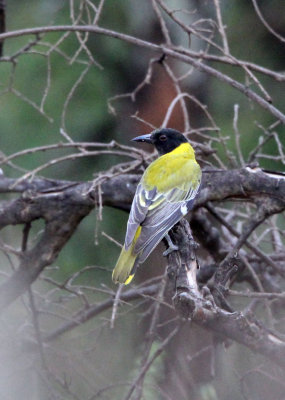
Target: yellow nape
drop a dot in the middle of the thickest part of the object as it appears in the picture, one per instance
(184, 148)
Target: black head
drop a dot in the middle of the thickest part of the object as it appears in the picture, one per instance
(164, 140)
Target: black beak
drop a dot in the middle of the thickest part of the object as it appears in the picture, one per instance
(143, 138)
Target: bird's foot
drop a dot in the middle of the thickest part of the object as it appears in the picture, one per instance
(171, 246)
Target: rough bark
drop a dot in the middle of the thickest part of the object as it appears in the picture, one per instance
(63, 205)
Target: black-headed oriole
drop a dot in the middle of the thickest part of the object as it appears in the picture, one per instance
(165, 194)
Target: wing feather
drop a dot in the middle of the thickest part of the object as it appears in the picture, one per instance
(158, 211)
(160, 220)
(143, 199)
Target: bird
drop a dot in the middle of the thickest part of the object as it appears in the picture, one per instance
(165, 194)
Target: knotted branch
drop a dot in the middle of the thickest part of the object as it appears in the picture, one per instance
(62, 205)
(191, 305)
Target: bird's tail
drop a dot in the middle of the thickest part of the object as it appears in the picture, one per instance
(126, 265)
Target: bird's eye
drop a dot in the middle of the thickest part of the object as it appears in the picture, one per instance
(162, 138)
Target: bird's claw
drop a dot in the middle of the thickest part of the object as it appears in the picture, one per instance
(171, 246)
(170, 250)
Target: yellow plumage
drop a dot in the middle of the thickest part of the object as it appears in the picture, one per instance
(125, 263)
(179, 167)
(164, 195)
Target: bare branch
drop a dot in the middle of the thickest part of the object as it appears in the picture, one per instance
(267, 26)
(171, 53)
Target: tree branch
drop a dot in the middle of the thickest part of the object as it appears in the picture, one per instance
(93, 311)
(157, 48)
(189, 303)
(244, 329)
(63, 205)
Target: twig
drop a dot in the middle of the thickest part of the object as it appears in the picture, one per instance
(115, 306)
(162, 23)
(86, 315)
(257, 295)
(179, 93)
(237, 134)
(58, 160)
(80, 145)
(221, 27)
(35, 319)
(2, 22)
(147, 365)
(253, 248)
(267, 26)
(161, 49)
(150, 337)
(70, 95)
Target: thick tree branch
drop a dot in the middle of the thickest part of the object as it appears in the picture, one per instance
(63, 205)
(244, 329)
(190, 304)
(62, 214)
(118, 191)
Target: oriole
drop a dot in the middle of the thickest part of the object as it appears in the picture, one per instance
(165, 194)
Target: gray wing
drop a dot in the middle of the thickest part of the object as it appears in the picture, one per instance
(161, 219)
(157, 213)
(141, 202)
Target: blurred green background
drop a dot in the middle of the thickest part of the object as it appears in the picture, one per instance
(94, 356)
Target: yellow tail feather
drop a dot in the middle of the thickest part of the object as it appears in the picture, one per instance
(122, 272)
(124, 266)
